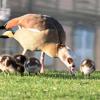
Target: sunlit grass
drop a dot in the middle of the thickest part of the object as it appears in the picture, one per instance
(52, 85)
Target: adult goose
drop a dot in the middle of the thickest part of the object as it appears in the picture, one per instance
(41, 32)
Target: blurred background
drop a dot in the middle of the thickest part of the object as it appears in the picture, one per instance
(79, 18)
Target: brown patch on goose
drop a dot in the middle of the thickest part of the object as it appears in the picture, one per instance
(60, 46)
(70, 60)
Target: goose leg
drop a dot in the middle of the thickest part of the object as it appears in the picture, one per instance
(24, 51)
(42, 62)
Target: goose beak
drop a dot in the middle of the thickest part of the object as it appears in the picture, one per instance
(73, 70)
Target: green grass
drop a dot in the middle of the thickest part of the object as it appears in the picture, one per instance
(50, 86)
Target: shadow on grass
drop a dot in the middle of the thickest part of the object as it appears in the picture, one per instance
(65, 75)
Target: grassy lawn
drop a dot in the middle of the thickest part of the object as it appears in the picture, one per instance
(50, 86)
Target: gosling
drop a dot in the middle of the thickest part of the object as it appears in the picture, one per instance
(9, 65)
(87, 67)
(32, 65)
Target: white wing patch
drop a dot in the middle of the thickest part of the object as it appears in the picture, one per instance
(30, 29)
(33, 30)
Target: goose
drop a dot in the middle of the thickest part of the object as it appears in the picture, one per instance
(41, 32)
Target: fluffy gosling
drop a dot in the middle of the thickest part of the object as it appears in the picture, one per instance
(87, 67)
